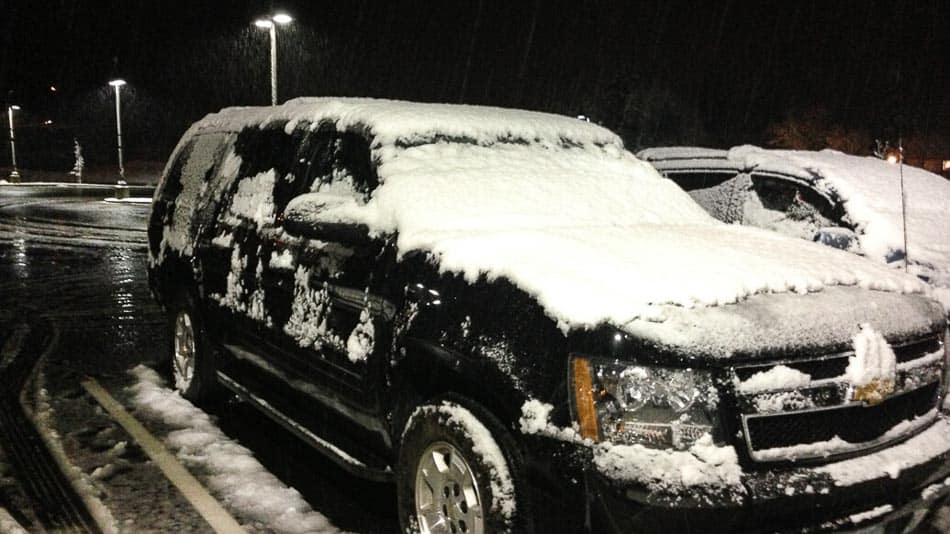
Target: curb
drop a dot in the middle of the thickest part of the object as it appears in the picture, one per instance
(54, 189)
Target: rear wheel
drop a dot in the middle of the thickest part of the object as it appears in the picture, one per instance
(459, 473)
(192, 365)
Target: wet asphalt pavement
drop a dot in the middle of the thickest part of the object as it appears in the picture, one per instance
(78, 264)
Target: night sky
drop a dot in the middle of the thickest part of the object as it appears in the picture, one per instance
(657, 72)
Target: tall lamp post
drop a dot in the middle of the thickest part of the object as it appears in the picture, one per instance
(118, 83)
(270, 24)
(14, 174)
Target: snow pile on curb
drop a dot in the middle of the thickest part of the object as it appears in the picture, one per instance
(234, 475)
(871, 514)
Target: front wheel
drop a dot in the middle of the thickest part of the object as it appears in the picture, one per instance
(459, 473)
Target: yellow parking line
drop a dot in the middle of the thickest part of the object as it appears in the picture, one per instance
(206, 505)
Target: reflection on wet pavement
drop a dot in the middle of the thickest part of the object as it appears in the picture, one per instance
(82, 265)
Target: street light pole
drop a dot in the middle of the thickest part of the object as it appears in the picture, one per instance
(14, 174)
(273, 64)
(118, 123)
(271, 25)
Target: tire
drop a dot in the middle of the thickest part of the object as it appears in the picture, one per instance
(459, 472)
(190, 358)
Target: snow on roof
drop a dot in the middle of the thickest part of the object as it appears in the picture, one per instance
(689, 159)
(666, 153)
(393, 122)
(593, 233)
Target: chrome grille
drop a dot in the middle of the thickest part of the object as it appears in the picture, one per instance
(789, 424)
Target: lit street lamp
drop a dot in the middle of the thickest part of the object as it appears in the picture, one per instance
(14, 174)
(117, 83)
(270, 24)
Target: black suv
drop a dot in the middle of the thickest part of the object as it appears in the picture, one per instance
(527, 329)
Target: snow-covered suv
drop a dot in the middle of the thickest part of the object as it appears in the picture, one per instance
(528, 329)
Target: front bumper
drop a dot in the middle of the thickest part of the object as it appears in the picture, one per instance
(888, 491)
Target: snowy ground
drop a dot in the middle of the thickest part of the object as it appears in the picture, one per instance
(228, 468)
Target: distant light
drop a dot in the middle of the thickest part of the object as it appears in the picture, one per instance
(52, 88)
(946, 164)
(282, 18)
(892, 158)
(118, 82)
(583, 118)
(15, 107)
(261, 23)
(48, 122)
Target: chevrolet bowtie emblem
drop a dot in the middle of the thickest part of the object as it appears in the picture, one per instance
(875, 391)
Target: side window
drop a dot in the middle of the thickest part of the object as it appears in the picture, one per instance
(168, 190)
(346, 168)
(787, 207)
(311, 156)
(187, 181)
(268, 155)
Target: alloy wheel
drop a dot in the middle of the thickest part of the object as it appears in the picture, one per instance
(183, 359)
(446, 493)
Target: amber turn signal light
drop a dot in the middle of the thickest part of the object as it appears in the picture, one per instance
(584, 399)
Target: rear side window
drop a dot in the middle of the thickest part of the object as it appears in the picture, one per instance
(171, 185)
(720, 194)
(268, 157)
(182, 193)
(312, 150)
(198, 169)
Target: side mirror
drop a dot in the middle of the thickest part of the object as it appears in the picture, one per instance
(317, 216)
(837, 237)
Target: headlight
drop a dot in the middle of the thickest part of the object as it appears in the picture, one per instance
(656, 407)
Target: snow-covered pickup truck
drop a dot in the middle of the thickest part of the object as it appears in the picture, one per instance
(848, 202)
(528, 329)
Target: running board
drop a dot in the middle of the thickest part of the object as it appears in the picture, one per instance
(331, 451)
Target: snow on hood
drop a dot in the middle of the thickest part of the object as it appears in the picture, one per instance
(870, 190)
(772, 324)
(593, 233)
